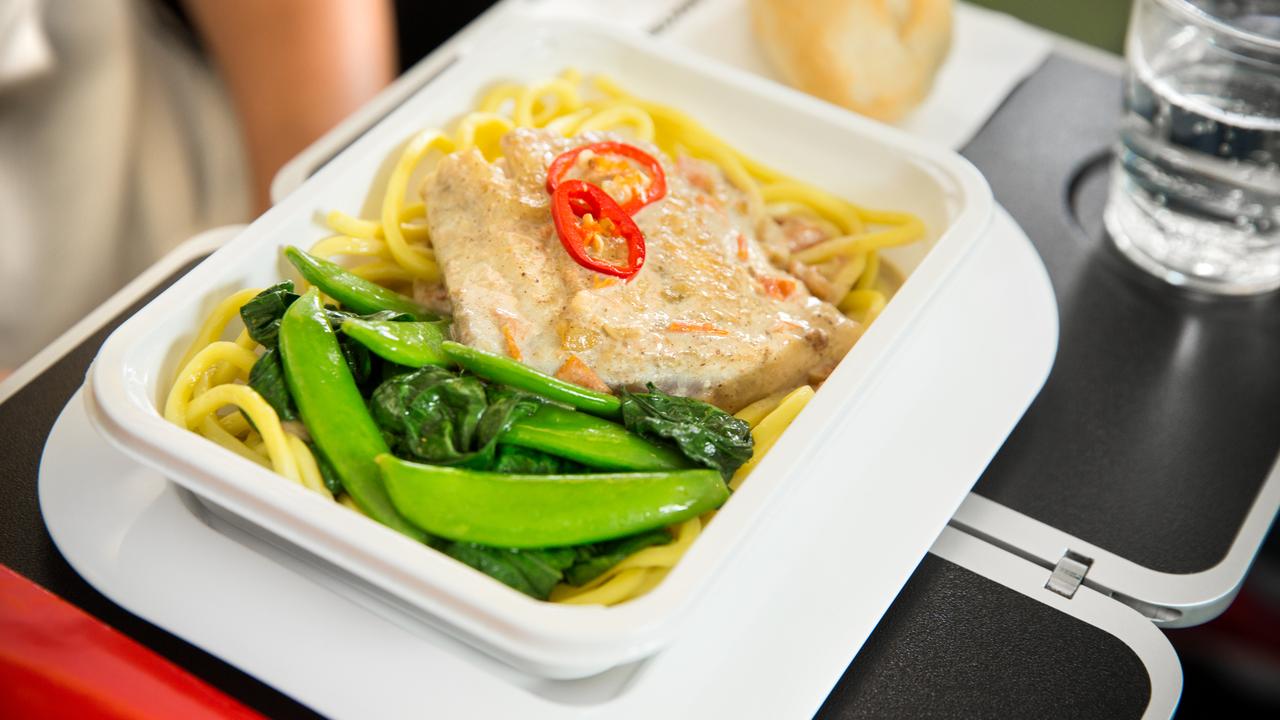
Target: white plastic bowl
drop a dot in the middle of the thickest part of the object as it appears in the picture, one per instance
(853, 157)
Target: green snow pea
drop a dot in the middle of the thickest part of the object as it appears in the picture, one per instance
(352, 291)
(538, 511)
(518, 375)
(590, 440)
(333, 410)
(412, 344)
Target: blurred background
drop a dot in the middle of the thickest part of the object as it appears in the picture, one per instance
(127, 126)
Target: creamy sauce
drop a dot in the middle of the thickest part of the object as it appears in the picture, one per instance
(708, 316)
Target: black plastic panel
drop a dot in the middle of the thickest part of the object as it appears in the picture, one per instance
(957, 645)
(1161, 418)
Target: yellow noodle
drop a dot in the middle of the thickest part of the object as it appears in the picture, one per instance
(263, 416)
(621, 115)
(234, 423)
(867, 280)
(531, 111)
(661, 556)
(788, 208)
(351, 246)
(483, 131)
(771, 428)
(567, 125)
(738, 176)
(383, 272)
(908, 232)
(216, 322)
(571, 75)
(212, 430)
(865, 304)
(307, 467)
(756, 411)
(345, 501)
(494, 99)
(622, 586)
(419, 262)
(344, 224)
(840, 212)
(254, 442)
(180, 395)
(854, 267)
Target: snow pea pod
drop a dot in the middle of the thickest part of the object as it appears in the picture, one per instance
(518, 375)
(537, 511)
(351, 290)
(412, 344)
(590, 440)
(333, 410)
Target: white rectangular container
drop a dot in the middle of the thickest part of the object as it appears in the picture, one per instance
(856, 158)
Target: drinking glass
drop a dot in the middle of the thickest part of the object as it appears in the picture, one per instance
(1195, 196)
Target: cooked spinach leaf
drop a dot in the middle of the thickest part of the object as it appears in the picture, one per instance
(266, 377)
(532, 572)
(705, 434)
(337, 315)
(327, 473)
(437, 416)
(594, 559)
(516, 460)
(359, 360)
(261, 315)
(536, 572)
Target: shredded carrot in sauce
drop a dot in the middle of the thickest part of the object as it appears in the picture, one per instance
(513, 348)
(696, 327)
(786, 325)
(602, 281)
(742, 247)
(579, 373)
(778, 288)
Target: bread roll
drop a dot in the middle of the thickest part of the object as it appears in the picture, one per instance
(876, 57)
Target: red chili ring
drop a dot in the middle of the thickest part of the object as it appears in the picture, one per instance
(574, 198)
(656, 190)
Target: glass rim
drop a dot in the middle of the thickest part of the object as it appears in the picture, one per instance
(1217, 24)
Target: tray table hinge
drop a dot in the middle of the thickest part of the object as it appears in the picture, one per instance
(1069, 574)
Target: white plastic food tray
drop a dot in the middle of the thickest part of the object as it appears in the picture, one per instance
(855, 158)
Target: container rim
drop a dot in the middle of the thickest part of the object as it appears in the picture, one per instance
(1199, 16)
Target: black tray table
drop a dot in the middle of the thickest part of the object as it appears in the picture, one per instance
(1151, 446)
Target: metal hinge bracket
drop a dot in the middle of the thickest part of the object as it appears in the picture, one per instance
(1069, 574)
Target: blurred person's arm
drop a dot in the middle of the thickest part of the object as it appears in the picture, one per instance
(294, 68)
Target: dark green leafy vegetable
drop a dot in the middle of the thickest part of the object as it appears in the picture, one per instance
(532, 572)
(358, 358)
(594, 559)
(536, 572)
(327, 473)
(266, 377)
(704, 433)
(515, 460)
(435, 416)
(262, 314)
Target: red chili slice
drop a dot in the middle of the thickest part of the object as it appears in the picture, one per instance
(572, 200)
(656, 189)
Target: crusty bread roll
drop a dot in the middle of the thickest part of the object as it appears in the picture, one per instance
(876, 57)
